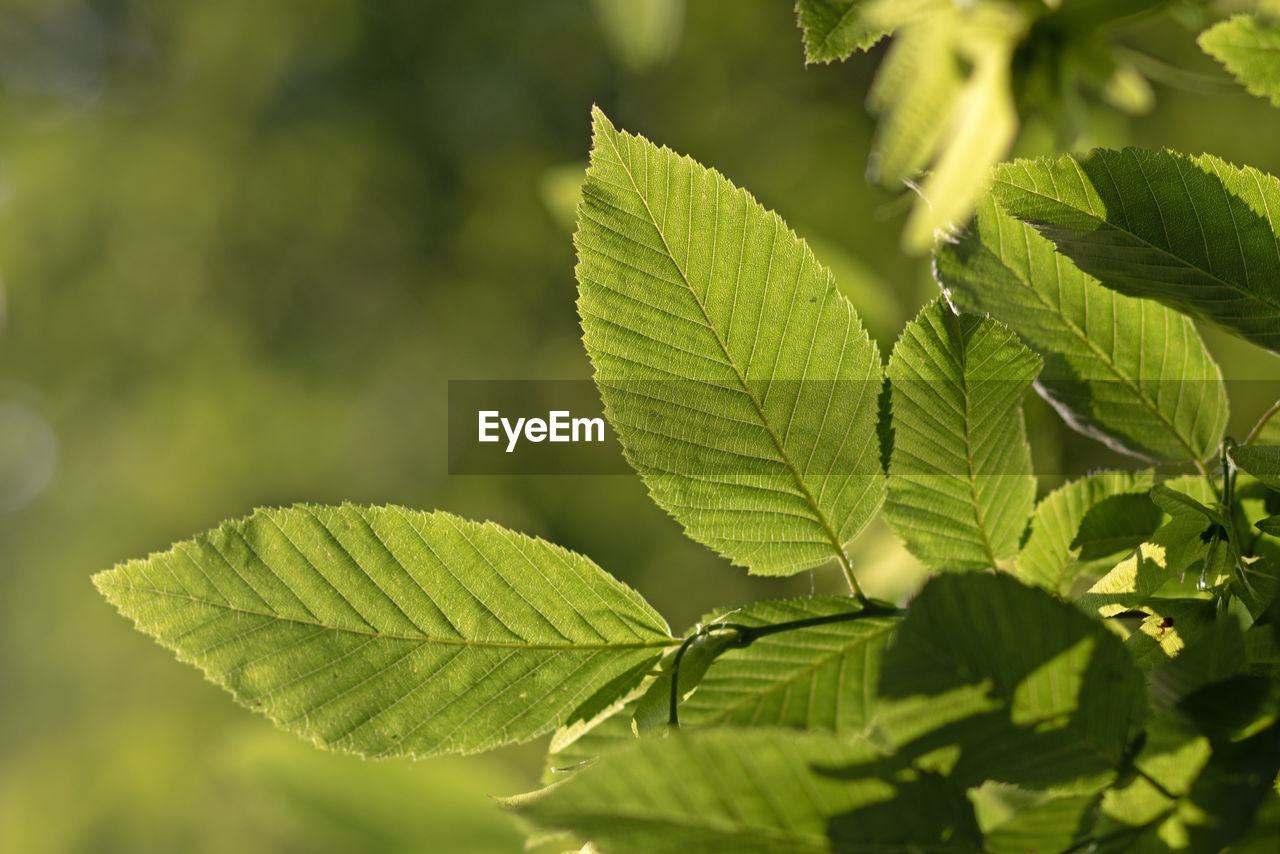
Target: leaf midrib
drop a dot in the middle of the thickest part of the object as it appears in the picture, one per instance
(830, 533)
(1106, 359)
(781, 684)
(840, 22)
(423, 638)
(1183, 262)
(968, 455)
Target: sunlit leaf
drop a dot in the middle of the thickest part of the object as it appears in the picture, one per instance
(818, 678)
(835, 29)
(740, 381)
(1249, 46)
(1051, 558)
(1169, 552)
(960, 482)
(385, 631)
(1195, 233)
(1127, 371)
(945, 101)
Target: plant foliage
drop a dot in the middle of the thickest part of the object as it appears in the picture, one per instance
(1096, 670)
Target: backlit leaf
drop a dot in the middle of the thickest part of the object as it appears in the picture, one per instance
(1195, 233)
(960, 482)
(383, 631)
(740, 382)
(1249, 46)
(1129, 372)
(1051, 558)
(835, 29)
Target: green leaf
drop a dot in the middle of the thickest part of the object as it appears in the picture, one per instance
(835, 29)
(1180, 505)
(818, 678)
(1116, 524)
(1261, 461)
(1129, 372)
(1170, 550)
(1069, 698)
(1195, 233)
(1051, 558)
(1269, 525)
(751, 792)
(1249, 46)
(739, 380)
(1048, 824)
(935, 115)
(385, 631)
(960, 481)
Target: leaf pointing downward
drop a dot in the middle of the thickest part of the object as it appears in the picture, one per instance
(740, 381)
(383, 631)
(1195, 233)
(960, 482)
(1129, 372)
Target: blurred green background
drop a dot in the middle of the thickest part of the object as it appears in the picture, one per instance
(243, 248)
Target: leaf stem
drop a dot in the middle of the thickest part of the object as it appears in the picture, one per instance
(854, 589)
(747, 635)
(1262, 423)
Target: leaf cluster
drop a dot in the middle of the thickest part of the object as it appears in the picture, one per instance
(1094, 670)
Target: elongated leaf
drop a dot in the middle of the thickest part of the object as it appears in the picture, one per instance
(738, 378)
(1261, 461)
(1195, 233)
(1127, 371)
(1269, 525)
(1051, 556)
(960, 482)
(751, 792)
(835, 29)
(385, 631)
(1249, 46)
(817, 678)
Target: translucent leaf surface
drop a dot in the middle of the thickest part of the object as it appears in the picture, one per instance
(1127, 371)
(818, 678)
(1249, 46)
(1051, 558)
(835, 29)
(740, 381)
(960, 481)
(1195, 233)
(945, 101)
(385, 631)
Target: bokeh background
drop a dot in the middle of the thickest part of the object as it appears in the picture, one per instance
(243, 248)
